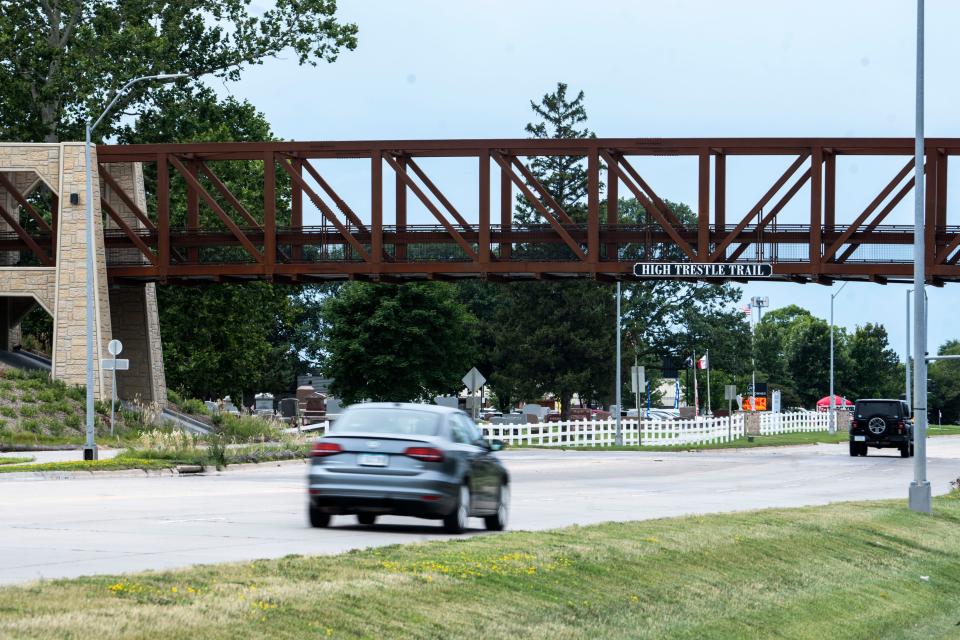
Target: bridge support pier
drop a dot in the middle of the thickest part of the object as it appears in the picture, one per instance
(128, 313)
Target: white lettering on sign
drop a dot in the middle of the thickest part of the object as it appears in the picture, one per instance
(702, 270)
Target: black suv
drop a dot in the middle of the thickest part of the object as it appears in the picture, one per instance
(882, 424)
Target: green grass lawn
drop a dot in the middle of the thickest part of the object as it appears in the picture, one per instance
(113, 464)
(14, 460)
(848, 570)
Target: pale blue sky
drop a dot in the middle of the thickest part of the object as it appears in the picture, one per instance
(447, 69)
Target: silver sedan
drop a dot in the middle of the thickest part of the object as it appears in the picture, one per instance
(411, 460)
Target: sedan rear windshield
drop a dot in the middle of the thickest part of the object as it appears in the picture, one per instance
(883, 408)
(406, 422)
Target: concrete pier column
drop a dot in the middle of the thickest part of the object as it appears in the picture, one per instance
(70, 313)
(134, 314)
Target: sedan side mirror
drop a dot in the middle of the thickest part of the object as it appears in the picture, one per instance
(496, 445)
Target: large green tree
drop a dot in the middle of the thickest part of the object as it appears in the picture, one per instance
(387, 342)
(553, 337)
(945, 385)
(873, 367)
(62, 60)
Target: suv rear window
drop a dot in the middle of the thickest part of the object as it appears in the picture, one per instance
(406, 422)
(878, 407)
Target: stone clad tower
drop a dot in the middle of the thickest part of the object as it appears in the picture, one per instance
(128, 313)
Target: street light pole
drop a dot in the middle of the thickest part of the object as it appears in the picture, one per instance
(919, 493)
(90, 449)
(832, 428)
(759, 303)
(619, 435)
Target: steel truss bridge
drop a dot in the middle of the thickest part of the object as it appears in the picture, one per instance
(220, 239)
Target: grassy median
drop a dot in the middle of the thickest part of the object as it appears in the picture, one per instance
(851, 570)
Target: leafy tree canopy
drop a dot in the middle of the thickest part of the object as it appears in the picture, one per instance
(384, 342)
(63, 60)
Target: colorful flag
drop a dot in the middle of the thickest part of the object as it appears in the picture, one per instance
(704, 362)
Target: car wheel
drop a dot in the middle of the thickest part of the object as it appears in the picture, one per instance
(498, 521)
(854, 449)
(912, 452)
(905, 451)
(456, 521)
(319, 519)
(366, 519)
(863, 449)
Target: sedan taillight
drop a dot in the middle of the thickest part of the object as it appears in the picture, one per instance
(321, 449)
(426, 454)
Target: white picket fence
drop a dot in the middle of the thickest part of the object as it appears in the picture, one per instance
(777, 423)
(649, 433)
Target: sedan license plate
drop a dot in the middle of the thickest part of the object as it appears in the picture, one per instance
(372, 460)
(859, 438)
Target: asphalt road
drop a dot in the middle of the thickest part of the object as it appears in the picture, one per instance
(61, 528)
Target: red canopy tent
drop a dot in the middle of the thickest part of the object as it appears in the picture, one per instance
(823, 404)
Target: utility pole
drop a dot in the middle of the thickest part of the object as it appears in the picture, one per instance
(832, 428)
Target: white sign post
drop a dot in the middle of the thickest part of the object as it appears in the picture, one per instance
(115, 347)
(638, 381)
(730, 394)
(473, 381)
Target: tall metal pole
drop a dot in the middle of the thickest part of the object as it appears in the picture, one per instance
(619, 436)
(919, 494)
(90, 449)
(832, 422)
(907, 361)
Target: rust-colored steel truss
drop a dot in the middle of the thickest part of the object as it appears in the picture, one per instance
(239, 241)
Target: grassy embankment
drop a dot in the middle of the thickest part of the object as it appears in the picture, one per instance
(849, 570)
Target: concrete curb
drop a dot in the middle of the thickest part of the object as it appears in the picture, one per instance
(142, 473)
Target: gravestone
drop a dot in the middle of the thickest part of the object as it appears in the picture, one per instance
(289, 408)
(263, 404)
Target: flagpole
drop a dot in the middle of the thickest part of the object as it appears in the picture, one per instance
(696, 392)
(708, 382)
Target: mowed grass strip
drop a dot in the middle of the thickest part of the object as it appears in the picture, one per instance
(112, 464)
(849, 570)
(14, 460)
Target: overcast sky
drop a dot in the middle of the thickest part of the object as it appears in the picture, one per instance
(442, 69)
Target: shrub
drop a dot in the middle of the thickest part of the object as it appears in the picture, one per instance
(248, 428)
(28, 398)
(194, 407)
(72, 420)
(217, 450)
(77, 393)
(54, 427)
(28, 411)
(101, 407)
(31, 425)
(174, 397)
(51, 394)
(8, 411)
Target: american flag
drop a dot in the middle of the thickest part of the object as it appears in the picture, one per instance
(747, 310)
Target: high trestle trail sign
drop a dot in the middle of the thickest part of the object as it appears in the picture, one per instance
(702, 270)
